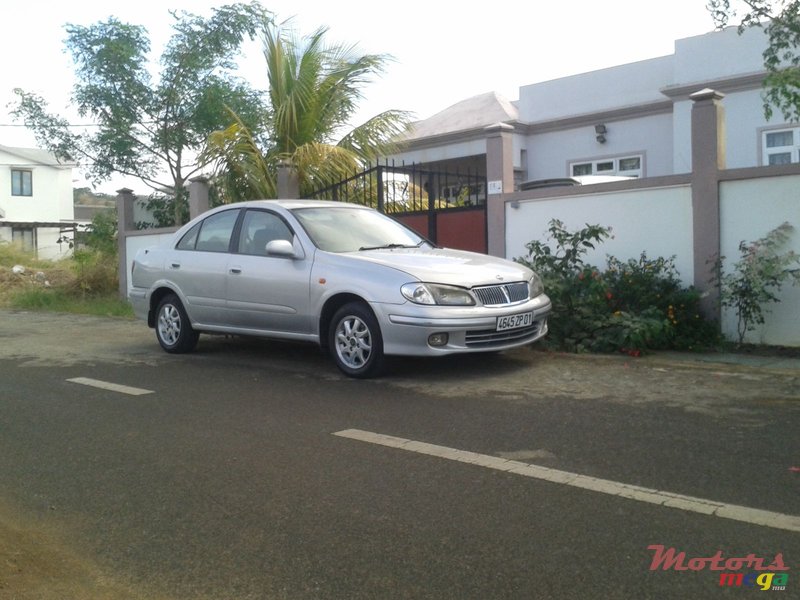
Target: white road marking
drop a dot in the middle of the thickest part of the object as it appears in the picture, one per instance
(114, 387)
(744, 514)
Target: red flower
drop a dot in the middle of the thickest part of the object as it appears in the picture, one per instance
(609, 295)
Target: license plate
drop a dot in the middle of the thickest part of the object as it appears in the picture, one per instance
(514, 321)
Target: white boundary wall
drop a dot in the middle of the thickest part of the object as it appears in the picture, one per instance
(749, 209)
(657, 221)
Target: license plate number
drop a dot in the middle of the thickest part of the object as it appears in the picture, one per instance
(514, 321)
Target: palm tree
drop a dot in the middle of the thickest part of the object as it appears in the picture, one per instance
(313, 92)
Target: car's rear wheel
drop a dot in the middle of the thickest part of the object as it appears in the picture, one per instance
(355, 341)
(173, 329)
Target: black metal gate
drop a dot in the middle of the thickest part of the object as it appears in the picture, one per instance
(428, 201)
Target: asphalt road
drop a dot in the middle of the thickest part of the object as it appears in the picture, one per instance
(227, 479)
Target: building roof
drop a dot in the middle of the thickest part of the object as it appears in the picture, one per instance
(37, 156)
(473, 113)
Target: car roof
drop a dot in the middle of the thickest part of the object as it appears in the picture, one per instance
(300, 203)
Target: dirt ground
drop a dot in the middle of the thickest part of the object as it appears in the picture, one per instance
(37, 562)
(36, 565)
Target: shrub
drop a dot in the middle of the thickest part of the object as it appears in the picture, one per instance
(631, 307)
(95, 274)
(87, 275)
(757, 277)
(101, 234)
(654, 285)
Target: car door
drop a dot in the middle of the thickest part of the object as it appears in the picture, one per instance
(198, 267)
(269, 293)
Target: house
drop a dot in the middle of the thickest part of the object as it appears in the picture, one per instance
(36, 206)
(705, 168)
(630, 120)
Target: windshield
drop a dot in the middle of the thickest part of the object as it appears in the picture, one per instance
(349, 229)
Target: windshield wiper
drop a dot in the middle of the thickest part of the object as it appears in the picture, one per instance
(388, 247)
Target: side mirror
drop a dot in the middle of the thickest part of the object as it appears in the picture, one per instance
(281, 248)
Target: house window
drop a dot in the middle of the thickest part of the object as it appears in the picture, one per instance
(582, 169)
(628, 166)
(605, 167)
(631, 166)
(21, 182)
(781, 147)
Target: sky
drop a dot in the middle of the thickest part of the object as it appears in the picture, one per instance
(443, 51)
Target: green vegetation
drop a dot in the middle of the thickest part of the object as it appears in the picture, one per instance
(314, 90)
(60, 301)
(757, 277)
(85, 196)
(780, 20)
(630, 307)
(151, 128)
(165, 128)
(86, 283)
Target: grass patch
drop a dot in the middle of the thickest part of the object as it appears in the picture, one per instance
(56, 300)
(86, 283)
(13, 254)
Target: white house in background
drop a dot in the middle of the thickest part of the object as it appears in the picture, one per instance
(631, 120)
(36, 205)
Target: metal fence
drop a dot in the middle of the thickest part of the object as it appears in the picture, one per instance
(405, 189)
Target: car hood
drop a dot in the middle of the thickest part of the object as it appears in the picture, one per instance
(441, 265)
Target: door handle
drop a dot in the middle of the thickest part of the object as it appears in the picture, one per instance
(175, 265)
(235, 270)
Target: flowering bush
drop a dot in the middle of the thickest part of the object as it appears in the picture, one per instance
(630, 307)
(643, 284)
(757, 277)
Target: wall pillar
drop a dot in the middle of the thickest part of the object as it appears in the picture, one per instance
(198, 196)
(125, 223)
(708, 159)
(500, 181)
(288, 183)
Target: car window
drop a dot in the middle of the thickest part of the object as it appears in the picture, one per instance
(190, 239)
(258, 229)
(349, 229)
(216, 230)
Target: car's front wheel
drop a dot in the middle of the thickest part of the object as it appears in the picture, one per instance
(173, 329)
(355, 341)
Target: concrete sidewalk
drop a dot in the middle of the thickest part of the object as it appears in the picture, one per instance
(783, 364)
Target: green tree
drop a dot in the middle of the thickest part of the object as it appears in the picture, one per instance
(780, 20)
(152, 130)
(314, 89)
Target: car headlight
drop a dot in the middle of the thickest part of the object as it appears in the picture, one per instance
(434, 293)
(535, 286)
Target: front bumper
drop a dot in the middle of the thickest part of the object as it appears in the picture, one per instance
(406, 328)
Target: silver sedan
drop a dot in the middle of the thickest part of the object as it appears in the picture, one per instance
(343, 276)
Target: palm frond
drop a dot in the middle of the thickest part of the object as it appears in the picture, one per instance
(314, 90)
(379, 136)
(321, 165)
(241, 170)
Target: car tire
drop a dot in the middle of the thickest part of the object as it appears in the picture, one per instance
(355, 341)
(173, 329)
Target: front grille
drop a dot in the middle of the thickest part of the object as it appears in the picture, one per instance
(486, 338)
(499, 295)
